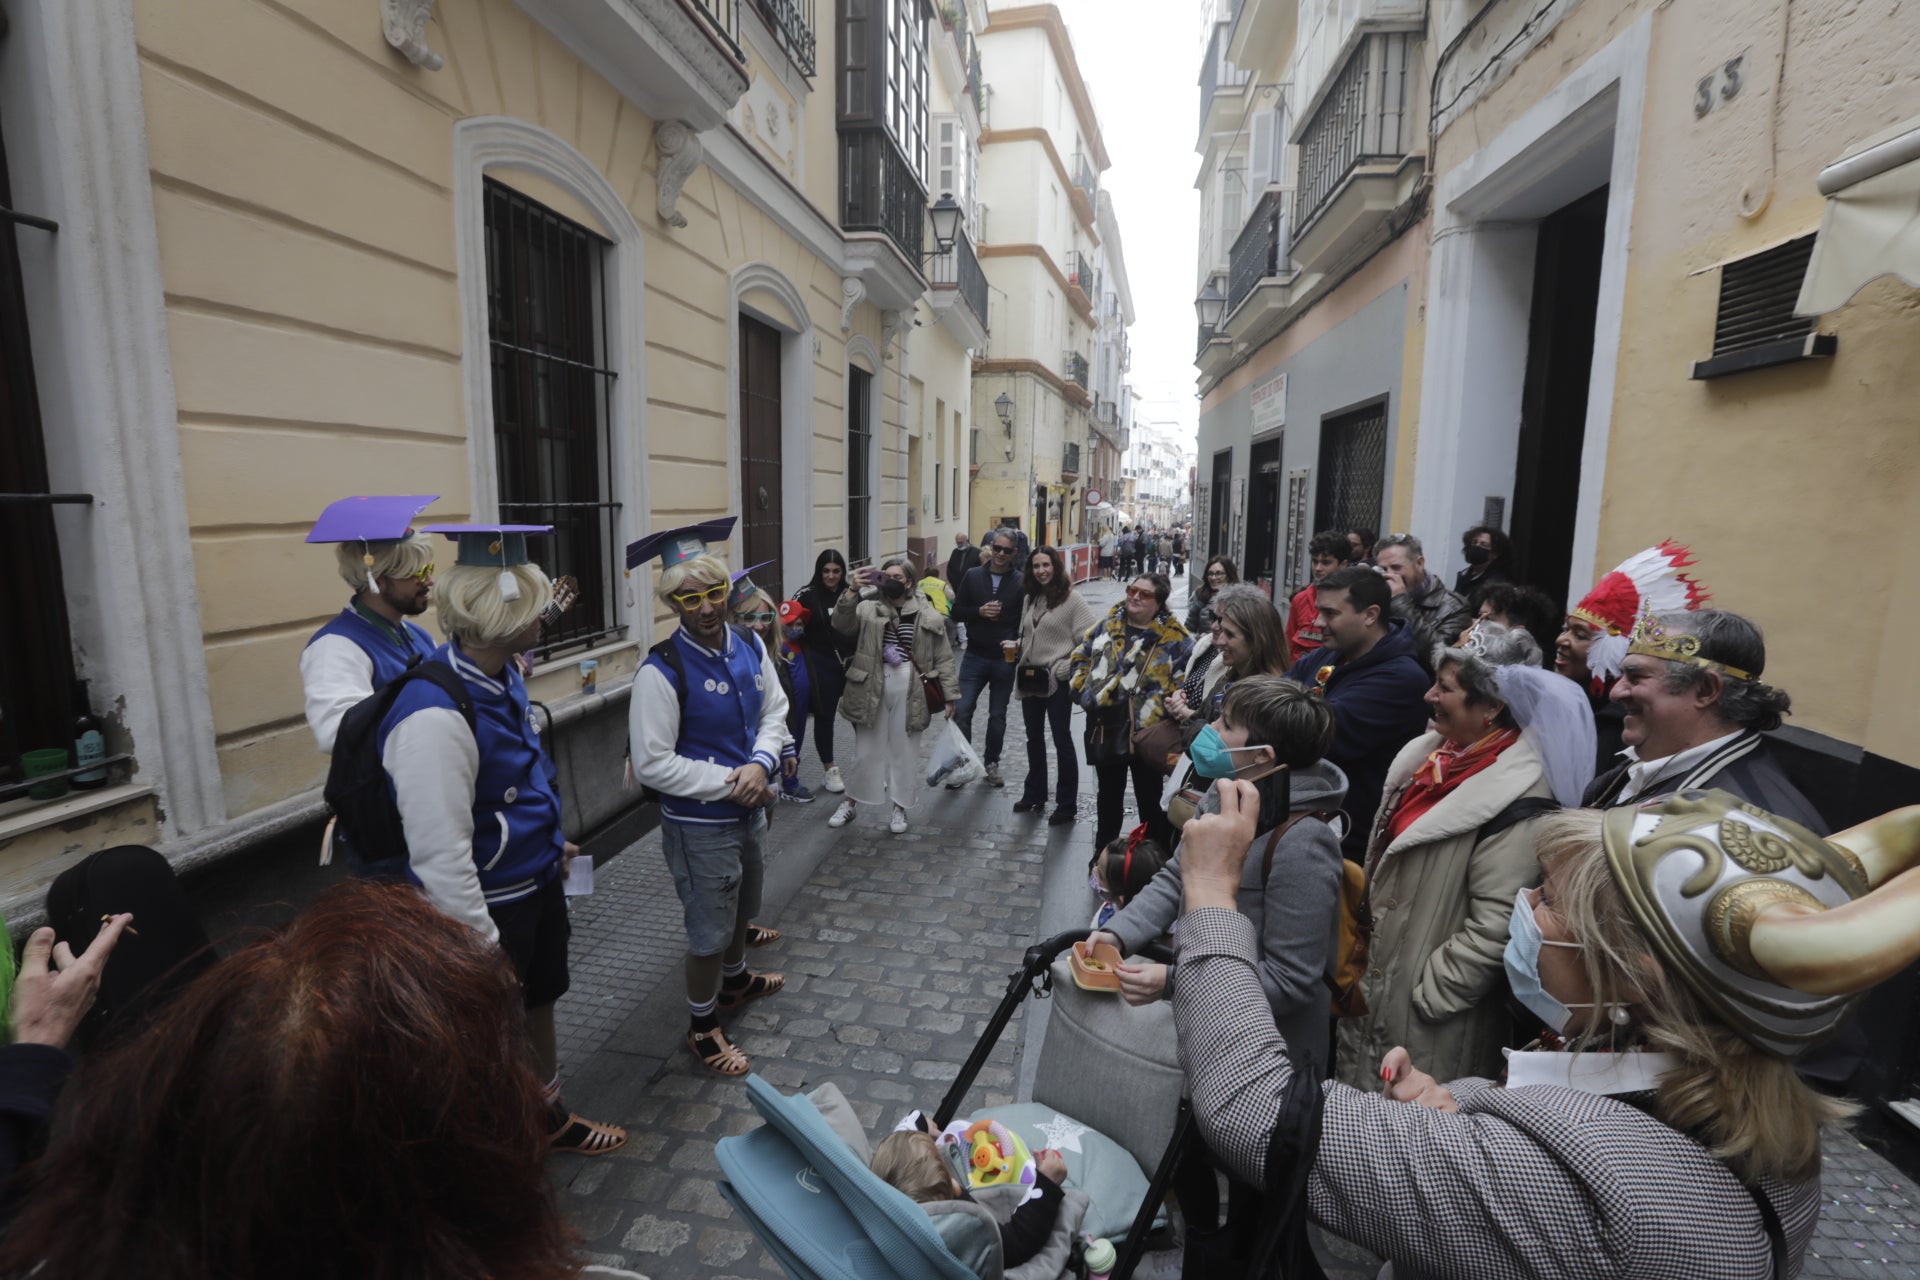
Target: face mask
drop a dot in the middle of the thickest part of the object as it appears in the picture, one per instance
(1477, 555)
(893, 589)
(1211, 757)
(1524, 941)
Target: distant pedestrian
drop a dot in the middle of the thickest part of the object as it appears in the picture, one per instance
(1053, 621)
(708, 723)
(1218, 573)
(826, 652)
(1109, 547)
(1122, 673)
(1179, 552)
(899, 643)
(988, 603)
(1489, 556)
(965, 556)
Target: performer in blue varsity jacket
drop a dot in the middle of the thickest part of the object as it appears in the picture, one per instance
(708, 722)
(478, 805)
(390, 568)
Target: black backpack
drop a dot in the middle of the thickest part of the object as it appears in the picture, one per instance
(366, 818)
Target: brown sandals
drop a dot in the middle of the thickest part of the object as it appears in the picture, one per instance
(587, 1137)
(712, 1050)
(759, 935)
(757, 985)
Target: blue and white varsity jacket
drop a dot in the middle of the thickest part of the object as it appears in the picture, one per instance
(346, 660)
(736, 715)
(479, 808)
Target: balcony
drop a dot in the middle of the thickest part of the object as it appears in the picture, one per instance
(879, 190)
(676, 61)
(1260, 251)
(792, 23)
(1219, 78)
(1084, 175)
(1080, 275)
(1070, 462)
(1077, 369)
(1354, 166)
(959, 293)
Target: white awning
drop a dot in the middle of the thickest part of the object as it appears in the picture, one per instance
(1872, 224)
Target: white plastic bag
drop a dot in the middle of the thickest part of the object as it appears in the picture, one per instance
(954, 760)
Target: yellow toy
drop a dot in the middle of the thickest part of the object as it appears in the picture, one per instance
(995, 1155)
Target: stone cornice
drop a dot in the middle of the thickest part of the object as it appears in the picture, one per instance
(1072, 391)
(1082, 207)
(656, 53)
(1081, 304)
(1047, 18)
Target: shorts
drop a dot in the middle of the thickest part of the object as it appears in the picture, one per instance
(717, 871)
(1106, 562)
(534, 932)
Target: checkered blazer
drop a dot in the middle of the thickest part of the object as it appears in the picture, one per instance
(1526, 1184)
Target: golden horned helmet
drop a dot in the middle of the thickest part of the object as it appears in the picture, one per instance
(1777, 931)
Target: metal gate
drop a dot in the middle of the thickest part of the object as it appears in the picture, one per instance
(1353, 469)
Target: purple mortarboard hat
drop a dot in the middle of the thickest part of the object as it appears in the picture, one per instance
(674, 546)
(492, 546)
(370, 519)
(743, 586)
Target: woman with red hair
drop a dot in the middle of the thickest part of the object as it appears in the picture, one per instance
(354, 1096)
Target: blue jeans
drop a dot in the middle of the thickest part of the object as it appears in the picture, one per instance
(977, 671)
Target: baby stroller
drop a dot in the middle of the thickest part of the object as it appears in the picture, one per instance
(802, 1184)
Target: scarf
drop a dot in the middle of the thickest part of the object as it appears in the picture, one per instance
(1444, 770)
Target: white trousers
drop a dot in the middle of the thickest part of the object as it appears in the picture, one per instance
(886, 766)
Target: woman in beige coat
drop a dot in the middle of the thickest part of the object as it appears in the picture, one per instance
(899, 640)
(1054, 619)
(1452, 845)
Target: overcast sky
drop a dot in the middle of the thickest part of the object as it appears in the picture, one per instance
(1141, 60)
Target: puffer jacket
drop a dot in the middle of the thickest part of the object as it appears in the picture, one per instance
(1441, 899)
(865, 616)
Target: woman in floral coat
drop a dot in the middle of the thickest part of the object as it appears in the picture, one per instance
(1122, 673)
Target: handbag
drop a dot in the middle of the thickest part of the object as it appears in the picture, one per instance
(1033, 679)
(1159, 746)
(1109, 735)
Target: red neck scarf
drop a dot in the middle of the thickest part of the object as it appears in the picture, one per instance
(1444, 770)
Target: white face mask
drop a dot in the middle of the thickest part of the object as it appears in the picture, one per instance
(1524, 940)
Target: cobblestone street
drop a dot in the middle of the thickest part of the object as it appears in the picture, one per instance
(896, 949)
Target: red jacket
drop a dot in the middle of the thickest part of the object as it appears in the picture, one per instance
(1303, 624)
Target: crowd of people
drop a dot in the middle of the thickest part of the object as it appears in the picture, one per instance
(1504, 783)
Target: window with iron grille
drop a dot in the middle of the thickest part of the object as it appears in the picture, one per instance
(553, 401)
(859, 466)
(1755, 327)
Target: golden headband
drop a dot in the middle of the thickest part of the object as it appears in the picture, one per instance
(1650, 639)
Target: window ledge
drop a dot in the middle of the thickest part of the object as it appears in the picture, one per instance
(1788, 351)
(19, 817)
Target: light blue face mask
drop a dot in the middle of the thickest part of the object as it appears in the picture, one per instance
(1524, 941)
(1213, 758)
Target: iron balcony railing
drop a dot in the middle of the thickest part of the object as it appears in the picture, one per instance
(973, 73)
(879, 190)
(1108, 411)
(1216, 73)
(1080, 273)
(1070, 460)
(959, 268)
(1077, 369)
(792, 22)
(1084, 175)
(1366, 116)
(723, 18)
(1261, 249)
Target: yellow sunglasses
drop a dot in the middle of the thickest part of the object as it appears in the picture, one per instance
(424, 574)
(691, 600)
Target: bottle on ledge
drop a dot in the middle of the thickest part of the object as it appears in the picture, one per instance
(89, 743)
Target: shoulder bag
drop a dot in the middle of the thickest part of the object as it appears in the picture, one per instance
(1109, 734)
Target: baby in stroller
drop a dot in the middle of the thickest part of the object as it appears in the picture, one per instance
(910, 1161)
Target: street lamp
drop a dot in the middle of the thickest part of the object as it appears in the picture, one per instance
(945, 216)
(1003, 405)
(1209, 304)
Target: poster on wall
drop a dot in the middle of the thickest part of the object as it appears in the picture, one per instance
(1269, 404)
(1237, 541)
(1293, 568)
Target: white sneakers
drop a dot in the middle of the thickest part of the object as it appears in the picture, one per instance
(833, 782)
(843, 815)
(898, 823)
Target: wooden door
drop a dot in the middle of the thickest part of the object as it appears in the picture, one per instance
(761, 530)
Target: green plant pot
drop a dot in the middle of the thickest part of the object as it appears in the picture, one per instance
(43, 761)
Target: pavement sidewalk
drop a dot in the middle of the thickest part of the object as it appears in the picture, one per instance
(896, 950)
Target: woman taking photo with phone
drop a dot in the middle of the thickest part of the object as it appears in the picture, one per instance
(1053, 621)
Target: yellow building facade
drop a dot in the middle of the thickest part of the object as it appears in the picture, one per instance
(309, 250)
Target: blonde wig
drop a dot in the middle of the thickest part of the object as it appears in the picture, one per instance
(909, 1162)
(708, 568)
(1750, 1108)
(758, 602)
(472, 610)
(399, 558)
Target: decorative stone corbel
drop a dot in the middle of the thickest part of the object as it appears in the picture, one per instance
(853, 291)
(404, 23)
(891, 324)
(680, 155)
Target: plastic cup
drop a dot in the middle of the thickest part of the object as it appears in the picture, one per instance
(41, 762)
(1010, 650)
